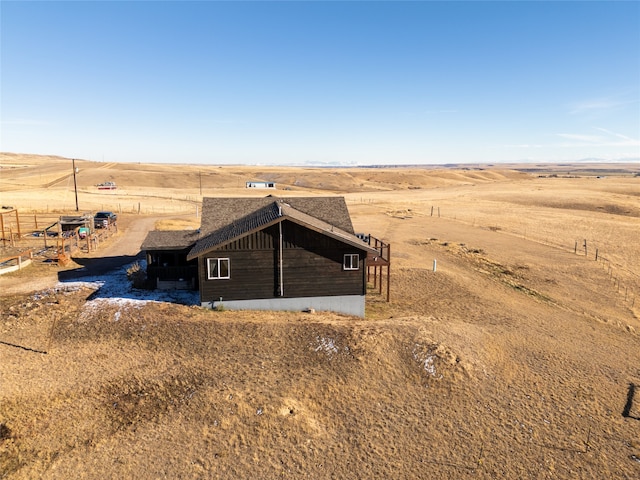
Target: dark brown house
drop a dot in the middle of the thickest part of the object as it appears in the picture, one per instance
(267, 254)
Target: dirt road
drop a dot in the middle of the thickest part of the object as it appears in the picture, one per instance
(122, 250)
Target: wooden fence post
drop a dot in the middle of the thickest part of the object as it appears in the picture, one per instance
(18, 222)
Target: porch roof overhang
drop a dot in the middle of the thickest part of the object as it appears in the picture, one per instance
(158, 240)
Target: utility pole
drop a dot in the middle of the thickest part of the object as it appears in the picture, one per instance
(75, 185)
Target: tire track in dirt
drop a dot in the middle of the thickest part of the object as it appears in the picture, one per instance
(57, 181)
(107, 166)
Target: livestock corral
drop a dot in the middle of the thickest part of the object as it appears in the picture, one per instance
(510, 346)
(48, 238)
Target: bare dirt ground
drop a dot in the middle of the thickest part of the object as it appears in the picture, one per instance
(519, 357)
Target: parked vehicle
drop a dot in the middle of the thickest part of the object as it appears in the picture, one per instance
(104, 219)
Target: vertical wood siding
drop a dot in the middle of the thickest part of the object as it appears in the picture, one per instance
(311, 264)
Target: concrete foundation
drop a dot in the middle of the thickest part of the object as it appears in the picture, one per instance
(346, 304)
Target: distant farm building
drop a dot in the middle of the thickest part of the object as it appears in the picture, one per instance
(261, 185)
(267, 254)
(107, 186)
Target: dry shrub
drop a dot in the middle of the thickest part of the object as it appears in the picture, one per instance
(137, 276)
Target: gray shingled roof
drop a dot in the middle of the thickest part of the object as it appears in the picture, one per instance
(219, 212)
(169, 239)
(270, 211)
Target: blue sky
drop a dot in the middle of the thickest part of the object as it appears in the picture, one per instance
(331, 82)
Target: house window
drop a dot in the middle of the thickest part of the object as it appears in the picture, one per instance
(351, 261)
(218, 268)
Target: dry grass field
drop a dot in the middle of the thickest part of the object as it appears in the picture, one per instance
(519, 357)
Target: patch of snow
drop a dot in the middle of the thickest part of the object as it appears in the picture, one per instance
(426, 359)
(115, 288)
(429, 365)
(328, 346)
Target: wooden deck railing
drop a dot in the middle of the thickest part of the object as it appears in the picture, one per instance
(378, 263)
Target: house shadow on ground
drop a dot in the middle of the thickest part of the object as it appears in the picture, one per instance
(94, 267)
(108, 277)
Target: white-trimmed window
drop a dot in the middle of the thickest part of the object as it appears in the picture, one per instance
(351, 261)
(218, 268)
